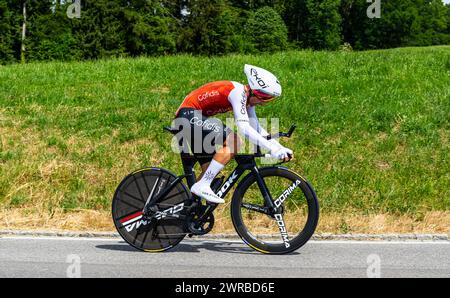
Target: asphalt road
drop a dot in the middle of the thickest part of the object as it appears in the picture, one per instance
(74, 257)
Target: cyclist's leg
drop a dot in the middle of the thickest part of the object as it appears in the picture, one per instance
(229, 150)
(213, 133)
(225, 154)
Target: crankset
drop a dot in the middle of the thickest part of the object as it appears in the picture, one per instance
(201, 228)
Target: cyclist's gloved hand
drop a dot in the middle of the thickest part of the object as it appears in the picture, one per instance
(282, 154)
(290, 153)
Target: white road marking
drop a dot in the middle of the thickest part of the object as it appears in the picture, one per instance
(380, 242)
(60, 238)
(415, 242)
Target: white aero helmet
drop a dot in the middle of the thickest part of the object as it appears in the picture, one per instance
(262, 82)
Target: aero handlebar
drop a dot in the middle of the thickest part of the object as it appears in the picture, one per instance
(283, 134)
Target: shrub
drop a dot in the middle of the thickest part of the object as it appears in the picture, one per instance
(266, 30)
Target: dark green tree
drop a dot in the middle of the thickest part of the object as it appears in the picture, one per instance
(294, 16)
(431, 24)
(109, 28)
(402, 22)
(447, 6)
(99, 33)
(394, 27)
(149, 28)
(354, 16)
(49, 35)
(175, 8)
(211, 27)
(253, 5)
(314, 24)
(266, 30)
(6, 33)
(322, 24)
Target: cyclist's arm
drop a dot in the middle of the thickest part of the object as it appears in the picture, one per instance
(238, 100)
(254, 122)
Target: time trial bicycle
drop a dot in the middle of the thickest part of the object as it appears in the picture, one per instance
(273, 209)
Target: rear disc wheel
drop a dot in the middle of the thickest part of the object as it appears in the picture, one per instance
(128, 205)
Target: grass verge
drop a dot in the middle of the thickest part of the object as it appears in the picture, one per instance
(373, 133)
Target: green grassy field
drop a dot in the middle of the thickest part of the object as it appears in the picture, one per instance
(373, 127)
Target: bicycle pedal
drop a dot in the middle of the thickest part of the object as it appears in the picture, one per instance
(149, 210)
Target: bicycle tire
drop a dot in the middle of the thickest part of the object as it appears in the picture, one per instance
(242, 228)
(128, 204)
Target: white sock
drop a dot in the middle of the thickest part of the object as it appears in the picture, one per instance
(212, 171)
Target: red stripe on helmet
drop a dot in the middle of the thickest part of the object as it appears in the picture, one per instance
(262, 95)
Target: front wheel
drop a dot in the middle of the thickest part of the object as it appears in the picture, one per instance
(282, 230)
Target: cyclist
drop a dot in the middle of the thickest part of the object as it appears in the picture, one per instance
(220, 97)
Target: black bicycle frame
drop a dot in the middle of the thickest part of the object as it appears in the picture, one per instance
(246, 162)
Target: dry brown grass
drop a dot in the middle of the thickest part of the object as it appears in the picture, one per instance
(342, 223)
(432, 222)
(42, 172)
(79, 220)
